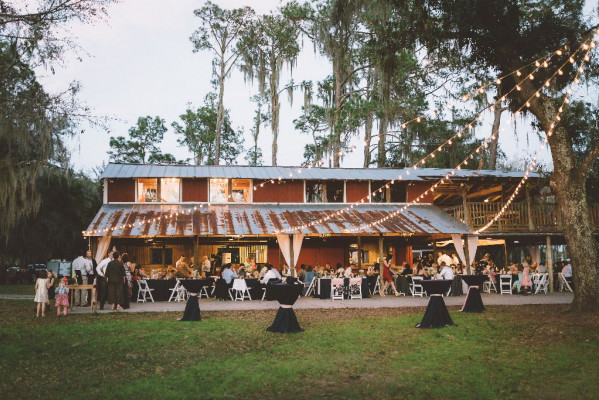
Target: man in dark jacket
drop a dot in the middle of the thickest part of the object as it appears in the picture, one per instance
(115, 275)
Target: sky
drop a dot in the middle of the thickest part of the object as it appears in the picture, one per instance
(140, 62)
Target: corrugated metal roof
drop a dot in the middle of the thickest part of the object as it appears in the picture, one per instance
(237, 171)
(264, 219)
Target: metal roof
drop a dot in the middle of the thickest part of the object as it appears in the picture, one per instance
(248, 172)
(264, 219)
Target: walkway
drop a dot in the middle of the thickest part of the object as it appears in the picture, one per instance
(311, 303)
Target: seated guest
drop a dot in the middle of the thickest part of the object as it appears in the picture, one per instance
(242, 272)
(370, 271)
(446, 272)
(542, 269)
(309, 275)
(183, 270)
(339, 270)
(228, 274)
(263, 271)
(407, 270)
(271, 273)
(302, 273)
(421, 271)
(567, 271)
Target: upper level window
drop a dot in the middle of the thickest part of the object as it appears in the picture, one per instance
(170, 188)
(315, 192)
(240, 190)
(335, 191)
(219, 190)
(380, 192)
(153, 190)
(147, 190)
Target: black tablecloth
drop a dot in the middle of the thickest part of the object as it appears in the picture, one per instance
(473, 302)
(221, 289)
(196, 285)
(325, 288)
(161, 288)
(440, 286)
(456, 286)
(402, 284)
(436, 315)
(285, 320)
(255, 288)
(475, 280)
(192, 309)
(372, 282)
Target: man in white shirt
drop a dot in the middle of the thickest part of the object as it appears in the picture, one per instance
(102, 284)
(567, 270)
(82, 266)
(271, 273)
(446, 272)
(443, 258)
(348, 273)
(542, 269)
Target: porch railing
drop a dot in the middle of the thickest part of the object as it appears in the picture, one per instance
(542, 218)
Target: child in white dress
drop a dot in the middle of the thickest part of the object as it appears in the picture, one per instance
(41, 293)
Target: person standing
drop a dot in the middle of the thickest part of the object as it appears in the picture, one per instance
(128, 282)
(41, 293)
(91, 275)
(82, 265)
(101, 280)
(51, 293)
(206, 267)
(115, 277)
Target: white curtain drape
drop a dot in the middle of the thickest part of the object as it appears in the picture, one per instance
(283, 240)
(103, 246)
(459, 246)
(298, 239)
(535, 253)
(284, 246)
(472, 245)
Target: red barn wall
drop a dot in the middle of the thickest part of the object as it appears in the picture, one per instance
(194, 190)
(355, 191)
(121, 190)
(415, 189)
(291, 191)
(403, 253)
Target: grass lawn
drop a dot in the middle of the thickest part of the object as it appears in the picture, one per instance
(522, 352)
(18, 288)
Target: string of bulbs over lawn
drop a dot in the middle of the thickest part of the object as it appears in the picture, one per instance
(588, 46)
(422, 161)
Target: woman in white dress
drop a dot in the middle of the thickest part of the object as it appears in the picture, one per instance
(41, 293)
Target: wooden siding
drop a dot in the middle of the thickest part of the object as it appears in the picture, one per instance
(403, 253)
(288, 191)
(415, 189)
(121, 190)
(356, 190)
(194, 190)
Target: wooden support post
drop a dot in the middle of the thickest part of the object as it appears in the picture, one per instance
(466, 252)
(499, 220)
(549, 257)
(466, 209)
(529, 211)
(359, 253)
(196, 255)
(291, 258)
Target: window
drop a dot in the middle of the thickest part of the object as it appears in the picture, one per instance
(314, 192)
(161, 256)
(240, 190)
(170, 189)
(335, 191)
(380, 195)
(398, 192)
(147, 190)
(219, 190)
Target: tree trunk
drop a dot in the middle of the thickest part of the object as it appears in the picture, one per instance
(275, 107)
(336, 129)
(382, 155)
(368, 137)
(498, 110)
(220, 114)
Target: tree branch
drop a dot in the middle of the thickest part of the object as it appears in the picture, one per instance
(589, 160)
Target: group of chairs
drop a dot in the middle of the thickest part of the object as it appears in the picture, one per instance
(540, 283)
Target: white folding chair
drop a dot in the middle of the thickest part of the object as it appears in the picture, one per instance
(563, 283)
(176, 292)
(355, 288)
(144, 292)
(377, 287)
(240, 289)
(417, 289)
(544, 283)
(203, 292)
(311, 287)
(505, 284)
(337, 287)
(490, 285)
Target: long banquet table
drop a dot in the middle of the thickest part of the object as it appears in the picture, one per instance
(323, 288)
